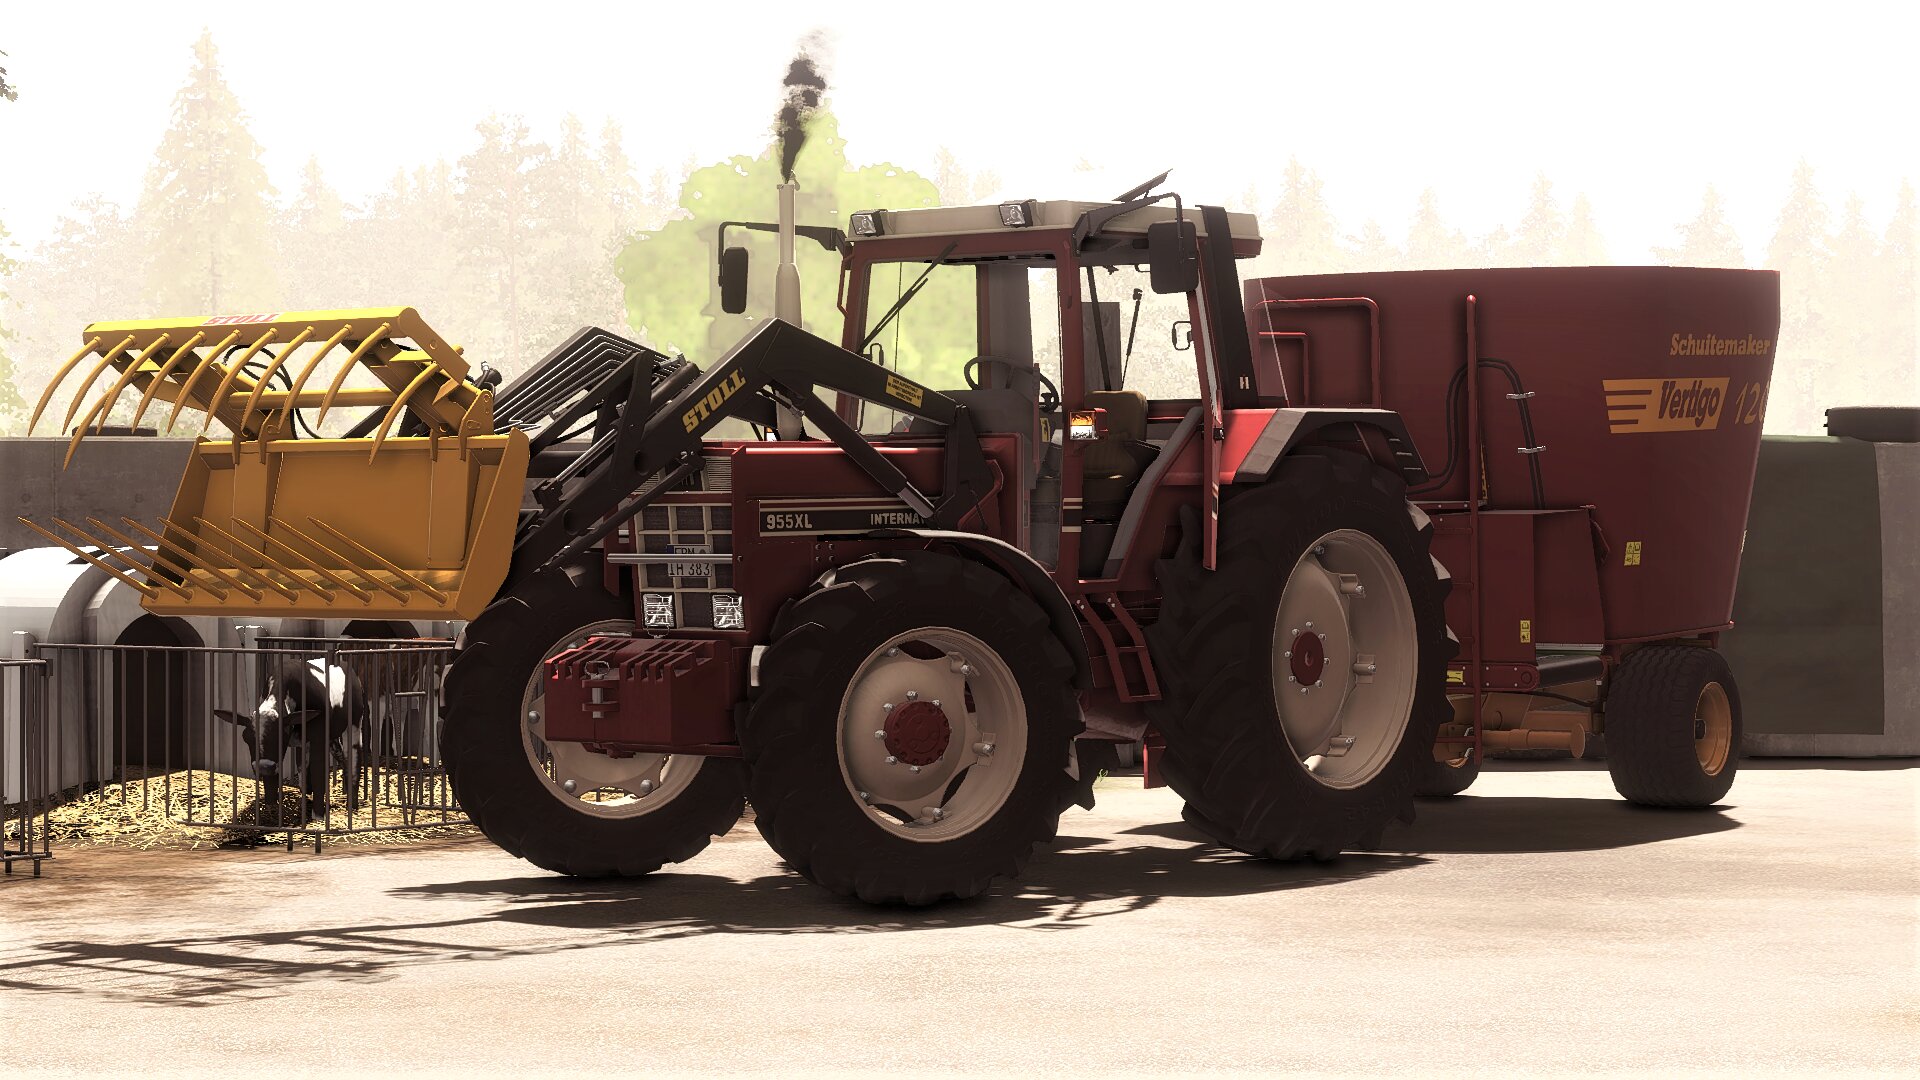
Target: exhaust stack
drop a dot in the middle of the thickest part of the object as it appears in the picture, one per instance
(786, 297)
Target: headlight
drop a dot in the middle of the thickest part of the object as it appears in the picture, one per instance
(866, 223)
(656, 610)
(1017, 215)
(728, 613)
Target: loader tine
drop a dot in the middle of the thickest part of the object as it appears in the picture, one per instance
(300, 381)
(225, 389)
(133, 369)
(359, 593)
(348, 563)
(391, 568)
(94, 374)
(285, 590)
(153, 387)
(211, 361)
(144, 589)
(257, 575)
(195, 560)
(58, 377)
(158, 559)
(260, 387)
(141, 568)
(399, 403)
(80, 431)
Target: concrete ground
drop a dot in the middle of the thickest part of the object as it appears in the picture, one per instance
(1536, 926)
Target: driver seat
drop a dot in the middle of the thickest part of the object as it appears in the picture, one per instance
(1112, 464)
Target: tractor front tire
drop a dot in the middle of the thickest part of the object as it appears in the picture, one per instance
(1673, 726)
(913, 730)
(561, 806)
(1304, 678)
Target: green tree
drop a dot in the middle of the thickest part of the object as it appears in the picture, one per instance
(1373, 251)
(671, 297)
(318, 266)
(1898, 298)
(206, 204)
(87, 271)
(1707, 240)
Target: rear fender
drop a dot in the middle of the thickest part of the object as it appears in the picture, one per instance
(1287, 429)
(1019, 567)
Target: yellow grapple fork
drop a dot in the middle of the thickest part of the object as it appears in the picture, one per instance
(406, 518)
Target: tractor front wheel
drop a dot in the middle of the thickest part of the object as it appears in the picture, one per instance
(1673, 726)
(559, 805)
(913, 731)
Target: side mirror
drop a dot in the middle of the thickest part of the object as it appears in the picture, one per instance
(733, 280)
(1173, 254)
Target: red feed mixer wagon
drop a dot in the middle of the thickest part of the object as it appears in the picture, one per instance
(1590, 477)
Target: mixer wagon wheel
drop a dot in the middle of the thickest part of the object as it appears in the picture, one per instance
(1303, 680)
(1673, 726)
(561, 806)
(1442, 778)
(912, 731)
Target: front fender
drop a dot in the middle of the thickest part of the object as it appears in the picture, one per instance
(1288, 428)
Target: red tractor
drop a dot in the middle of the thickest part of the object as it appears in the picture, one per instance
(1045, 493)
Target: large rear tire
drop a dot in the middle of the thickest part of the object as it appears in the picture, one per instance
(1285, 742)
(912, 735)
(561, 806)
(1673, 726)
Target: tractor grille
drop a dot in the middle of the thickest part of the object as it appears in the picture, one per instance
(695, 592)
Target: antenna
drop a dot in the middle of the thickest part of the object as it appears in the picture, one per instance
(1133, 193)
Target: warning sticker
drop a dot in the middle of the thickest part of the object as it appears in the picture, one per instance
(1456, 677)
(904, 390)
(1526, 631)
(1633, 553)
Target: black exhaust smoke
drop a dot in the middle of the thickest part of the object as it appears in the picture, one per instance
(804, 87)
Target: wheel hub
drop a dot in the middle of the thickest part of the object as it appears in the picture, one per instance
(918, 733)
(1308, 658)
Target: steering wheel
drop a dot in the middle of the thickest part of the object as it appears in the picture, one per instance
(1049, 401)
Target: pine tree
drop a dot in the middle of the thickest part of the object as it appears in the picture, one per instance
(1582, 244)
(1801, 252)
(206, 204)
(317, 265)
(1898, 298)
(12, 407)
(1372, 250)
(1300, 231)
(1854, 327)
(1431, 244)
(1542, 232)
(497, 225)
(1707, 240)
(85, 272)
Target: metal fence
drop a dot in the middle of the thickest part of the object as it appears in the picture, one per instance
(25, 794)
(305, 738)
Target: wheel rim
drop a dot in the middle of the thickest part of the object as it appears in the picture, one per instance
(602, 786)
(1345, 654)
(1713, 728)
(932, 734)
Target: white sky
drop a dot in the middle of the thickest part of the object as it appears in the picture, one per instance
(1639, 105)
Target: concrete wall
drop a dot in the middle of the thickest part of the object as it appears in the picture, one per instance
(1826, 642)
(111, 476)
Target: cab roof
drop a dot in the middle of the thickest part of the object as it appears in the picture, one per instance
(1053, 214)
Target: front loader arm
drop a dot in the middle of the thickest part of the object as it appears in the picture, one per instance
(657, 440)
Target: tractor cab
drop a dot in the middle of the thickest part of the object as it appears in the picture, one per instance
(1082, 329)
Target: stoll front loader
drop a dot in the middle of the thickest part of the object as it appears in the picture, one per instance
(962, 542)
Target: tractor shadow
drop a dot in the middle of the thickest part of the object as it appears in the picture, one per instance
(1068, 885)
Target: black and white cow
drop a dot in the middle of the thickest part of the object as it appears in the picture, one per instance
(315, 709)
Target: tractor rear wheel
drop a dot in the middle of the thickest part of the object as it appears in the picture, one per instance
(1304, 679)
(912, 733)
(559, 805)
(1673, 726)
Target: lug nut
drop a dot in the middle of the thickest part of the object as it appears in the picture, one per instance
(936, 703)
(1303, 689)
(895, 651)
(646, 787)
(891, 760)
(881, 734)
(1319, 549)
(1310, 626)
(1288, 655)
(938, 813)
(1292, 679)
(1320, 682)
(913, 768)
(983, 748)
(1323, 637)
(865, 797)
(534, 715)
(966, 669)
(912, 695)
(567, 787)
(888, 706)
